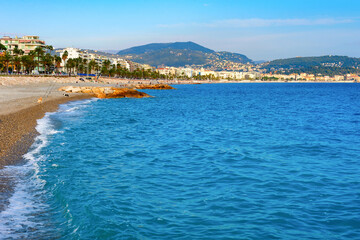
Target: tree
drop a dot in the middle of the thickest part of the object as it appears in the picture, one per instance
(70, 64)
(49, 47)
(48, 61)
(16, 59)
(86, 66)
(17, 64)
(6, 59)
(39, 52)
(18, 51)
(92, 65)
(65, 56)
(57, 61)
(2, 47)
(28, 63)
(78, 64)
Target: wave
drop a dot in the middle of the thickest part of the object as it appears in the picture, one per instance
(20, 218)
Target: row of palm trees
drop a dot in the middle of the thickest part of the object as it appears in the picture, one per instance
(81, 65)
(42, 60)
(18, 62)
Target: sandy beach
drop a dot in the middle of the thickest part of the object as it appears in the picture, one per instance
(19, 111)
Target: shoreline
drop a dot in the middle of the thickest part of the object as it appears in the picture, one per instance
(17, 127)
(19, 112)
(18, 116)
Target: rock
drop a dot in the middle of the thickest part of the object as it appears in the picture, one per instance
(155, 86)
(106, 92)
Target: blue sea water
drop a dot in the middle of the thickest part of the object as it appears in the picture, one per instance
(216, 161)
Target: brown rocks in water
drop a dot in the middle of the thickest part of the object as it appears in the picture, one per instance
(155, 86)
(106, 92)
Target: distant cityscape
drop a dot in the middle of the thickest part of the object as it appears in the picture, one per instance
(14, 49)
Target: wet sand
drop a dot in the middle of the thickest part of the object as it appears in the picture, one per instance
(18, 119)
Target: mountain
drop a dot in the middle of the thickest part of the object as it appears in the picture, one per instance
(307, 62)
(161, 46)
(181, 54)
(260, 61)
(110, 51)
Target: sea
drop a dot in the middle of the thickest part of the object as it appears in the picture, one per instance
(205, 161)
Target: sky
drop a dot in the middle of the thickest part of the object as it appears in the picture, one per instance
(260, 29)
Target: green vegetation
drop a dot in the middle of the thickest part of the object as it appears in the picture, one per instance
(180, 55)
(2, 47)
(325, 71)
(308, 62)
(324, 65)
(269, 78)
(174, 58)
(16, 62)
(41, 58)
(161, 46)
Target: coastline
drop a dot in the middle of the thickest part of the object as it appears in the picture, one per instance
(17, 126)
(19, 109)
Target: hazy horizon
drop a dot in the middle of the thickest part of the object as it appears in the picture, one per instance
(261, 30)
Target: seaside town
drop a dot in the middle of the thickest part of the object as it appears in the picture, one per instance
(31, 55)
(180, 119)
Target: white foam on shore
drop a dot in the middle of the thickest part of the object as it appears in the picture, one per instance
(21, 217)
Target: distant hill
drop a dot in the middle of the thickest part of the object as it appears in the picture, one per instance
(180, 54)
(110, 51)
(306, 62)
(161, 46)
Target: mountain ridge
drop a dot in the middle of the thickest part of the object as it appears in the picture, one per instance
(182, 54)
(313, 61)
(160, 46)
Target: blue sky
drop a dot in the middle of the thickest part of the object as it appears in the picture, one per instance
(260, 29)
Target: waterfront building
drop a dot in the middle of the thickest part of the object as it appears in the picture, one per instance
(25, 43)
(339, 78)
(99, 59)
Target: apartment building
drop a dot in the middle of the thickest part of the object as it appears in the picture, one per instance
(25, 43)
(99, 59)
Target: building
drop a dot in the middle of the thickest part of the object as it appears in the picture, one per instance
(97, 58)
(26, 43)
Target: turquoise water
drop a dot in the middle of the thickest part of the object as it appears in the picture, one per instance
(224, 161)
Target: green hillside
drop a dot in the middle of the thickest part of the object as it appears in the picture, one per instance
(153, 47)
(181, 54)
(308, 62)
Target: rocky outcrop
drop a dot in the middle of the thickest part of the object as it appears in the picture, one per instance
(106, 92)
(154, 86)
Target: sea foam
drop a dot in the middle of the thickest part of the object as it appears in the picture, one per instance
(20, 217)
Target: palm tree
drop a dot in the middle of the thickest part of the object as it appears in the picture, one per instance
(28, 62)
(92, 65)
(64, 57)
(18, 52)
(86, 66)
(78, 63)
(48, 61)
(6, 59)
(17, 64)
(70, 64)
(49, 47)
(57, 61)
(2, 47)
(39, 52)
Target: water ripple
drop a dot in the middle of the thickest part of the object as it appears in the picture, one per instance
(241, 161)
